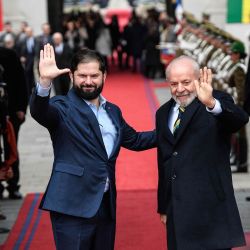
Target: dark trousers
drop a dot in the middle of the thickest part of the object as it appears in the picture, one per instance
(171, 238)
(76, 233)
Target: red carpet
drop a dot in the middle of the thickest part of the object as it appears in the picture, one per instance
(138, 224)
(32, 229)
(135, 170)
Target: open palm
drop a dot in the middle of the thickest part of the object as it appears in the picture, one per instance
(47, 66)
(204, 87)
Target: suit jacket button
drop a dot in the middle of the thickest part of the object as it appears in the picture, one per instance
(175, 153)
(174, 177)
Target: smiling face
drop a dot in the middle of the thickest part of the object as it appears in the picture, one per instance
(88, 80)
(181, 75)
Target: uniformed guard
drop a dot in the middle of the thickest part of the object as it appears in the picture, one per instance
(224, 54)
(234, 83)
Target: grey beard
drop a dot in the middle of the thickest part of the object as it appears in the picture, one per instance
(189, 100)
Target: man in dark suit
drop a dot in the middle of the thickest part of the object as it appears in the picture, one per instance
(44, 38)
(87, 132)
(27, 56)
(195, 193)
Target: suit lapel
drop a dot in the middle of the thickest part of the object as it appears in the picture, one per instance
(115, 119)
(187, 117)
(83, 107)
(165, 120)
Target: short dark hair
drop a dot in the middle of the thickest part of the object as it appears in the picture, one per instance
(85, 56)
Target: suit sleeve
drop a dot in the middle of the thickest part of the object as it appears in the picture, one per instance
(137, 141)
(232, 117)
(43, 111)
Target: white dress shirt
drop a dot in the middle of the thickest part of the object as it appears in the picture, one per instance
(175, 111)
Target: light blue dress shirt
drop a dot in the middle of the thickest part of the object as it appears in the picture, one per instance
(107, 128)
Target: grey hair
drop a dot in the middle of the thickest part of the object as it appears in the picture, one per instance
(196, 66)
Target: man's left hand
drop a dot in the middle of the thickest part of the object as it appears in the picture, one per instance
(204, 88)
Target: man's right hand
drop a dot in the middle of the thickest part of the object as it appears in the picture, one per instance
(47, 66)
(163, 218)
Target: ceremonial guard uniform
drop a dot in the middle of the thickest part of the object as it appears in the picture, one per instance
(234, 83)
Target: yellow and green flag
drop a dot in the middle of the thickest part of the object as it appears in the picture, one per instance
(238, 11)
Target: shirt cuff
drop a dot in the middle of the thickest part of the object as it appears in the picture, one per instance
(217, 108)
(41, 91)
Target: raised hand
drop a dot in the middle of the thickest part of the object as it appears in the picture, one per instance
(47, 66)
(204, 88)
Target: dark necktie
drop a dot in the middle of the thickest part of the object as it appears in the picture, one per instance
(178, 120)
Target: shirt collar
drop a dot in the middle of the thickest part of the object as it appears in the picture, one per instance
(176, 107)
(102, 100)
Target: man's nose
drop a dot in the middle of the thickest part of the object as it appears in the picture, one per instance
(88, 79)
(180, 87)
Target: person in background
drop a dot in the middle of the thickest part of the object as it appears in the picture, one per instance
(44, 38)
(7, 30)
(115, 36)
(72, 36)
(9, 42)
(137, 32)
(14, 77)
(27, 57)
(103, 43)
(233, 82)
(63, 55)
(21, 35)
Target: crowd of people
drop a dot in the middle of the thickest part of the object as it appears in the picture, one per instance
(94, 47)
(134, 46)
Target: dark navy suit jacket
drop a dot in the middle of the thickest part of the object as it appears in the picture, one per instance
(81, 164)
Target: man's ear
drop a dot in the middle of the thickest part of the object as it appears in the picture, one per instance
(104, 76)
(71, 76)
